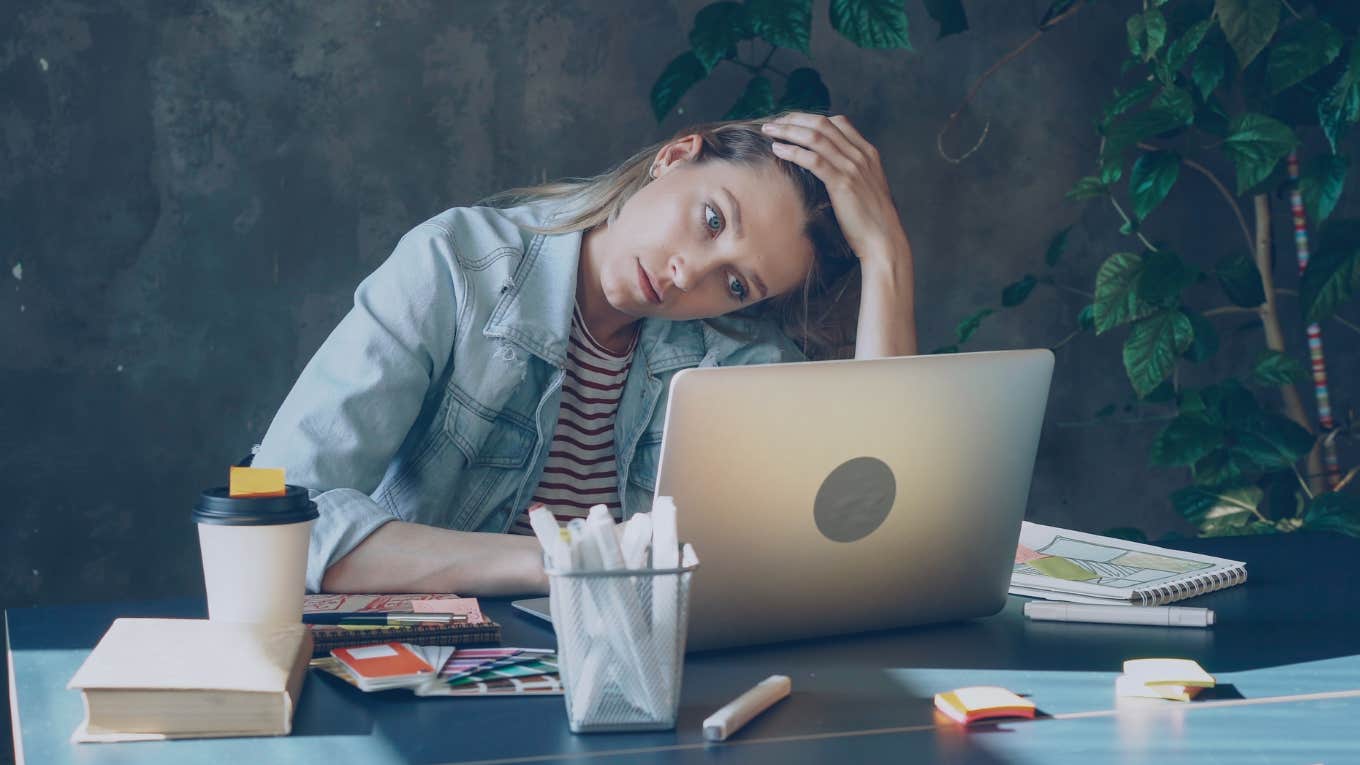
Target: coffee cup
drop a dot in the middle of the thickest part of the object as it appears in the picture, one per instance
(255, 554)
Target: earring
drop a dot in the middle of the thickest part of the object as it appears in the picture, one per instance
(652, 173)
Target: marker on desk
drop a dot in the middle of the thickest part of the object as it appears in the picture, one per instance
(1159, 616)
(742, 709)
(388, 618)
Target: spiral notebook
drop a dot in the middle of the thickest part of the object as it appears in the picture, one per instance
(1060, 564)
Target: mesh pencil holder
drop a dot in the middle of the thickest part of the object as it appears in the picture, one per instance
(621, 645)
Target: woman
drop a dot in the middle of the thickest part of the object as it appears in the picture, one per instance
(503, 356)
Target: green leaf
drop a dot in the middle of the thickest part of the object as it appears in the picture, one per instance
(680, 74)
(1087, 188)
(1255, 145)
(1321, 183)
(1154, 32)
(1205, 344)
(1333, 272)
(1333, 511)
(1056, 245)
(1340, 107)
(970, 325)
(1184, 441)
(1086, 318)
(1152, 177)
(717, 29)
(1124, 101)
(1162, 278)
(804, 91)
(945, 349)
(1248, 25)
(1172, 109)
(756, 101)
(1272, 441)
(1276, 368)
(1116, 300)
(785, 23)
(1126, 532)
(1236, 525)
(1240, 280)
(1016, 293)
(1106, 411)
(1208, 69)
(1152, 347)
(949, 15)
(1224, 467)
(1197, 503)
(1300, 51)
(871, 23)
(1178, 52)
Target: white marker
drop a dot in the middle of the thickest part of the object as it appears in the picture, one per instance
(1159, 616)
(743, 708)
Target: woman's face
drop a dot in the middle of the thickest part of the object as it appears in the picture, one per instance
(703, 239)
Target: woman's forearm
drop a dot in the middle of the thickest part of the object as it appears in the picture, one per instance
(887, 303)
(412, 557)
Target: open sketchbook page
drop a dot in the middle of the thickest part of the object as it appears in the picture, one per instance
(1061, 564)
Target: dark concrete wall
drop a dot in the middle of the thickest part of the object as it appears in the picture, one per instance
(191, 190)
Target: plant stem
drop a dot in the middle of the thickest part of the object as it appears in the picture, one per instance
(1346, 324)
(1073, 290)
(1350, 476)
(1229, 309)
(1270, 320)
(991, 70)
(1129, 222)
(1065, 340)
(1223, 190)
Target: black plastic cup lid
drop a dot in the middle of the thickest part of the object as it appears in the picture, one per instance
(217, 506)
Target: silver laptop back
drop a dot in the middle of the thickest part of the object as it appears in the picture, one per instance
(833, 497)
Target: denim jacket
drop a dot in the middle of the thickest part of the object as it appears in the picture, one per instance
(435, 399)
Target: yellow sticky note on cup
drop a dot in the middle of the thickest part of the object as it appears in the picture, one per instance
(257, 482)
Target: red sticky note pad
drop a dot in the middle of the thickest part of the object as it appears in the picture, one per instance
(982, 702)
(382, 661)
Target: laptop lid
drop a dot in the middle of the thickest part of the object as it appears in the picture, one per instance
(841, 496)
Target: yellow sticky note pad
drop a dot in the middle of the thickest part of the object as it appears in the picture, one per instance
(980, 702)
(1168, 672)
(1127, 687)
(257, 482)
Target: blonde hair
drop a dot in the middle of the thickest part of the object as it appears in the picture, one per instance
(801, 314)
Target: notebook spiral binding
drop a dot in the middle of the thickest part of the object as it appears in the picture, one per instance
(1190, 587)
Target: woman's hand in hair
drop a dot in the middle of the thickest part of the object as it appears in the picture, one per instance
(833, 150)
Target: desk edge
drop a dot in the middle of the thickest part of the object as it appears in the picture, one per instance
(16, 731)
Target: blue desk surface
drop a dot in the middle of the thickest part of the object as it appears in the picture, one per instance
(1285, 651)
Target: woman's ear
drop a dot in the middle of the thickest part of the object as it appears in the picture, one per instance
(676, 153)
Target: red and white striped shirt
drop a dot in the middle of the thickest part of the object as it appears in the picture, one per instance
(581, 471)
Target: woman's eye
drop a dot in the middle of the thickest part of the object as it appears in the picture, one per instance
(736, 288)
(712, 221)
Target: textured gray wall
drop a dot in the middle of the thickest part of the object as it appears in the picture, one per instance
(194, 188)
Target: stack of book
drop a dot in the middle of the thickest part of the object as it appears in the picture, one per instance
(460, 671)
(473, 629)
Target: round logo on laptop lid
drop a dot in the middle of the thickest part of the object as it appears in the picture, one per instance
(854, 499)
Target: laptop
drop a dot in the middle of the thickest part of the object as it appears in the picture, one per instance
(843, 496)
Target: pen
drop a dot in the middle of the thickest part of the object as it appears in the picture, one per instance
(728, 720)
(1160, 616)
(390, 618)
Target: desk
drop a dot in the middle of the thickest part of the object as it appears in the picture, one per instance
(1286, 652)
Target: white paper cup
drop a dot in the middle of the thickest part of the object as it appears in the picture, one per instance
(255, 554)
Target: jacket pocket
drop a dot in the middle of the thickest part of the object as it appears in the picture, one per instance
(646, 460)
(487, 438)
